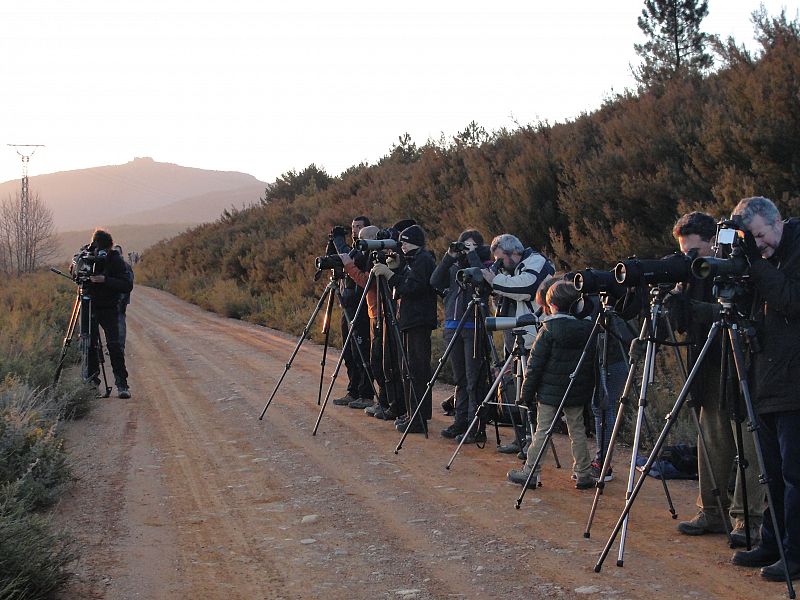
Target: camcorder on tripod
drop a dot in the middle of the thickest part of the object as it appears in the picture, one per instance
(87, 262)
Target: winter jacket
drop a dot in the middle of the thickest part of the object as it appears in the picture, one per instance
(554, 356)
(518, 290)
(777, 322)
(444, 280)
(417, 305)
(118, 281)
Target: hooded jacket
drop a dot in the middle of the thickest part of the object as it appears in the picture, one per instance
(417, 306)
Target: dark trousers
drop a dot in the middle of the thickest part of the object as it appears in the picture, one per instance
(780, 444)
(417, 344)
(468, 372)
(385, 363)
(358, 379)
(123, 327)
(108, 319)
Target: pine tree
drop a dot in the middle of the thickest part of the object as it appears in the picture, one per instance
(675, 45)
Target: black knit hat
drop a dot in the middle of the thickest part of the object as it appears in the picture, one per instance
(413, 235)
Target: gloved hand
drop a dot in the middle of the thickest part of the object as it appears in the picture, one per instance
(382, 269)
(393, 261)
(750, 247)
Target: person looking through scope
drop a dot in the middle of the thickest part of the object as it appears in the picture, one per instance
(693, 308)
(105, 289)
(417, 318)
(359, 387)
(467, 357)
(772, 249)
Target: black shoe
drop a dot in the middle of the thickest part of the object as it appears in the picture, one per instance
(757, 557)
(520, 476)
(776, 571)
(585, 482)
(416, 427)
(454, 430)
(449, 407)
(124, 392)
(474, 437)
(512, 448)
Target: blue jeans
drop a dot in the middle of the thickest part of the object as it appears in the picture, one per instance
(604, 404)
(780, 444)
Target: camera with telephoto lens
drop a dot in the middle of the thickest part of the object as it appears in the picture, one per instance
(670, 269)
(594, 281)
(502, 323)
(729, 233)
(87, 262)
(383, 244)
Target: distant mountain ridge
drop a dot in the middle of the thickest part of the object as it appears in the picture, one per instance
(141, 192)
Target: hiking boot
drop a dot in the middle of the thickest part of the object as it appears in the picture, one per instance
(123, 392)
(585, 482)
(373, 409)
(739, 537)
(700, 525)
(474, 437)
(454, 430)
(597, 467)
(777, 572)
(520, 476)
(344, 400)
(361, 403)
(757, 557)
(512, 448)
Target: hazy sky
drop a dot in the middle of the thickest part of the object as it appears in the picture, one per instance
(264, 87)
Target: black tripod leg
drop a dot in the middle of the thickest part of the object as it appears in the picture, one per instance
(741, 373)
(300, 341)
(660, 462)
(326, 329)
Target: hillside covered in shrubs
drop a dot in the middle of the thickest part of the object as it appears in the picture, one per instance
(607, 185)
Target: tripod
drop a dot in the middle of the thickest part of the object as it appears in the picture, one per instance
(331, 291)
(729, 323)
(386, 307)
(648, 333)
(517, 355)
(82, 313)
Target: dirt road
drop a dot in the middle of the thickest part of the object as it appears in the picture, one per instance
(184, 493)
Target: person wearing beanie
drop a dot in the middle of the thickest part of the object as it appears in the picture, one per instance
(417, 318)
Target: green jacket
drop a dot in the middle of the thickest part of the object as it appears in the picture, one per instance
(554, 356)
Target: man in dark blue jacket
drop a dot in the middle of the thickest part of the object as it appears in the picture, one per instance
(772, 247)
(109, 281)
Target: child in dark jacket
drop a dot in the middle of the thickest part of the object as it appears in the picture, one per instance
(554, 356)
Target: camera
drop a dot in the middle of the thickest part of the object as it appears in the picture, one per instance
(88, 261)
(502, 323)
(457, 247)
(728, 233)
(470, 275)
(379, 244)
(331, 261)
(594, 281)
(388, 233)
(670, 269)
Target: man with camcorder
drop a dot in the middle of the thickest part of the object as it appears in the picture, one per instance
(693, 309)
(772, 249)
(108, 281)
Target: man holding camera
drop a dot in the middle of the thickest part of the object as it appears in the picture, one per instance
(105, 289)
(772, 248)
(359, 387)
(693, 310)
(466, 357)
